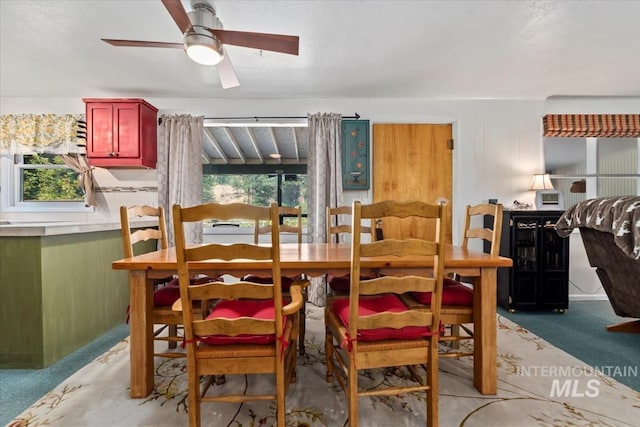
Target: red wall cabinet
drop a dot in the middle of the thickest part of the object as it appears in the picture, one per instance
(121, 132)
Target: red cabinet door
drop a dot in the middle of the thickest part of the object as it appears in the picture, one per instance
(100, 128)
(126, 129)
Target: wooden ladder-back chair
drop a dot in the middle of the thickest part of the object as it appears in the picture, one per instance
(236, 338)
(373, 328)
(336, 229)
(457, 297)
(295, 213)
(167, 291)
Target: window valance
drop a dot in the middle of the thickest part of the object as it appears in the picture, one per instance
(42, 133)
(592, 125)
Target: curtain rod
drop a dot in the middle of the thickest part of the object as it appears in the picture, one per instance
(258, 118)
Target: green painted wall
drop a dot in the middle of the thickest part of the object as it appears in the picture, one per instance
(58, 294)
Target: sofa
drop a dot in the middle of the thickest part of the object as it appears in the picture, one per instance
(610, 230)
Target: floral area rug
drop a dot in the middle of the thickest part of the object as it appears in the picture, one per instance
(538, 385)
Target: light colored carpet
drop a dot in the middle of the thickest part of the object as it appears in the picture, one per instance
(538, 385)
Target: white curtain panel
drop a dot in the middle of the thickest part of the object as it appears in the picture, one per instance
(179, 169)
(324, 175)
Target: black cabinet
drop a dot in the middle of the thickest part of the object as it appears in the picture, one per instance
(539, 278)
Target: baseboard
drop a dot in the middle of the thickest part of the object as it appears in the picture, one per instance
(583, 297)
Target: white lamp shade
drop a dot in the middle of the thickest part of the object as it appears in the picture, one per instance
(203, 49)
(541, 181)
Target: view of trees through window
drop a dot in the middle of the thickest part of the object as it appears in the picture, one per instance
(261, 190)
(45, 177)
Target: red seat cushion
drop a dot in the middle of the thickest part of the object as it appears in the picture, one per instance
(379, 304)
(262, 309)
(453, 293)
(343, 283)
(168, 294)
(286, 281)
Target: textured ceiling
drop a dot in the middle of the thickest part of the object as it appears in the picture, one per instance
(430, 49)
(255, 145)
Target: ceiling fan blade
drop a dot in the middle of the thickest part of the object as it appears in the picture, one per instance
(227, 74)
(139, 43)
(179, 15)
(264, 41)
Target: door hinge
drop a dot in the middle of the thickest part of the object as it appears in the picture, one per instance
(450, 144)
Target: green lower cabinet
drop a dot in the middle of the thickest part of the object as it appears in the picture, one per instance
(59, 293)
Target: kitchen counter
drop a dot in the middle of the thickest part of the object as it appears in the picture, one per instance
(59, 291)
(18, 228)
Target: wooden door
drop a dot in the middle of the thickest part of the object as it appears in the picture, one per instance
(412, 162)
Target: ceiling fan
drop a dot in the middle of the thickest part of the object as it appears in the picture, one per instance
(204, 39)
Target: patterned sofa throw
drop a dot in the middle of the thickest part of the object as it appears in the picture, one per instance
(619, 216)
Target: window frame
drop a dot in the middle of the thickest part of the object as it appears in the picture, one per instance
(11, 189)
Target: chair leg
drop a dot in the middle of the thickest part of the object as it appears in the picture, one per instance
(291, 361)
(455, 331)
(432, 392)
(194, 398)
(302, 323)
(352, 390)
(328, 351)
(173, 332)
(280, 397)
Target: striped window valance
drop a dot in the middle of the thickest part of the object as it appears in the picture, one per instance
(592, 125)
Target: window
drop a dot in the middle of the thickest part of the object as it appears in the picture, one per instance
(255, 163)
(286, 189)
(40, 182)
(585, 168)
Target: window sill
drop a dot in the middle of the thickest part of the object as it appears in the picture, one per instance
(50, 207)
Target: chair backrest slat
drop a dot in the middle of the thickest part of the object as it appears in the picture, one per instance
(400, 285)
(290, 212)
(221, 290)
(335, 227)
(228, 252)
(233, 327)
(399, 248)
(396, 320)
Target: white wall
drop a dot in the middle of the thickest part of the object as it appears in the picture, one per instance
(498, 144)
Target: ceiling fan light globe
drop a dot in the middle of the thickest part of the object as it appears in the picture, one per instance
(203, 49)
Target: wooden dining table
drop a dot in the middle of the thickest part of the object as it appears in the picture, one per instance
(312, 259)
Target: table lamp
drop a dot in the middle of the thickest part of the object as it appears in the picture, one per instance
(546, 197)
